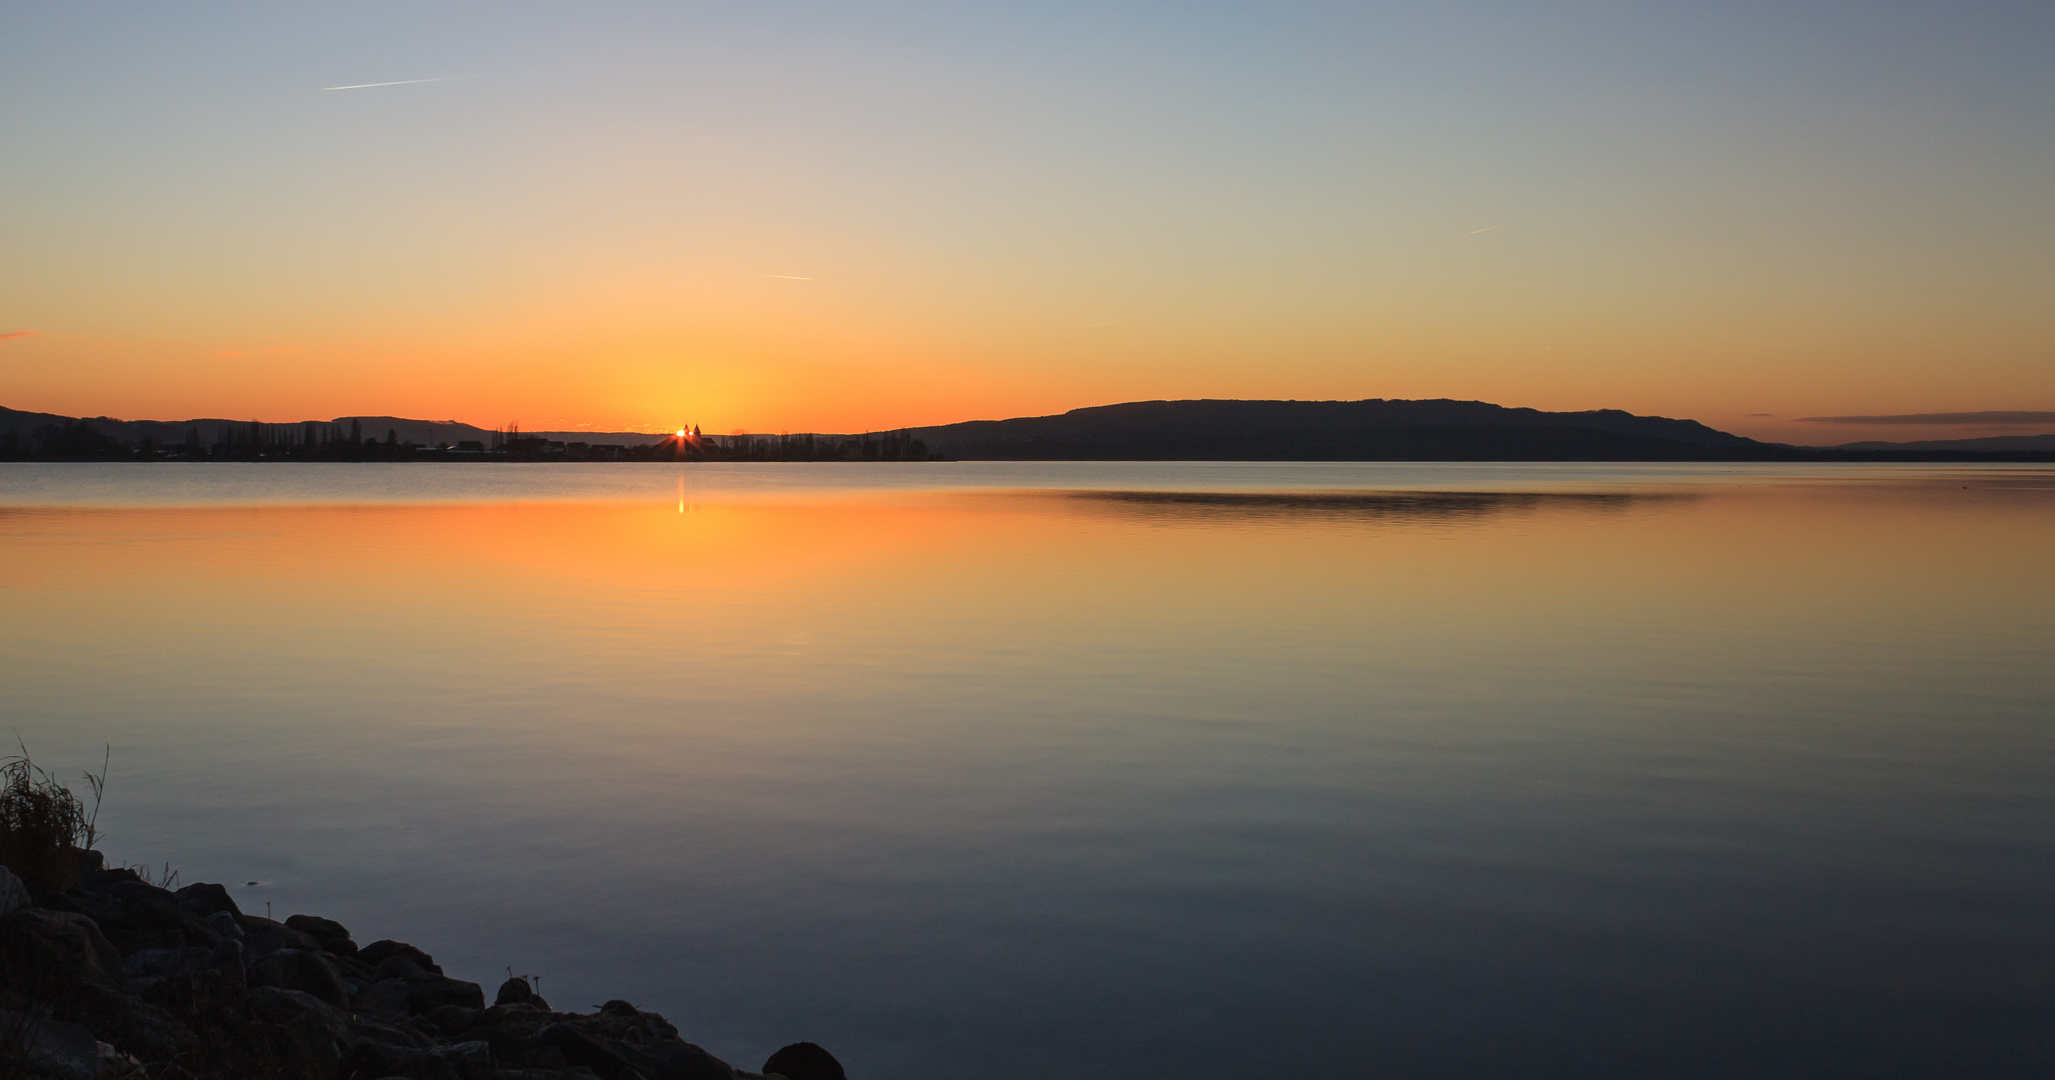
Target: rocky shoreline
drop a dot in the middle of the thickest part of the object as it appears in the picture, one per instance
(114, 977)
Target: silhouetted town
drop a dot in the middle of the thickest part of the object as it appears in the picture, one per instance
(75, 440)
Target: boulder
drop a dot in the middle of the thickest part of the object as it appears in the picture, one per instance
(376, 952)
(395, 1035)
(369, 1060)
(472, 1058)
(351, 967)
(294, 1036)
(515, 991)
(642, 1044)
(680, 1060)
(145, 1030)
(317, 926)
(14, 896)
(804, 1061)
(150, 915)
(157, 963)
(453, 1019)
(99, 907)
(395, 967)
(309, 1045)
(278, 1005)
(36, 966)
(134, 943)
(100, 881)
(579, 1048)
(129, 890)
(57, 1049)
(333, 936)
(264, 937)
(303, 970)
(427, 993)
(79, 865)
(385, 995)
(204, 899)
(81, 937)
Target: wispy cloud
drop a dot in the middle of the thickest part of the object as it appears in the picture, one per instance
(1762, 414)
(396, 82)
(789, 277)
(1110, 322)
(1487, 228)
(17, 333)
(2000, 418)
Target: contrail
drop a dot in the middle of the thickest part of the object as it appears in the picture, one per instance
(1487, 228)
(397, 82)
(789, 277)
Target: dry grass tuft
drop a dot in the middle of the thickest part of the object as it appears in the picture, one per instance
(43, 826)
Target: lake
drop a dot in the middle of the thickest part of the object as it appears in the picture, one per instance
(1103, 770)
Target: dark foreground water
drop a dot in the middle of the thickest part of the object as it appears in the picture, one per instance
(1104, 770)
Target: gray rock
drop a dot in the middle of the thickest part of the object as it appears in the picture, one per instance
(81, 937)
(264, 937)
(376, 952)
(678, 1060)
(427, 993)
(317, 926)
(470, 1058)
(453, 1019)
(83, 864)
(224, 924)
(148, 1031)
(589, 1044)
(385, 995)
(157, 963)
(581, 1049)
(396, 967)
(303, 970)
(314, 1044)
(804, 1061)
(130, 890)
(515, 991)
(149, 915)
(230, 960)
(396, 1035)
(366, 1058)
(14, 896)
(60, 1050)
(204, 899)
(278, 1005)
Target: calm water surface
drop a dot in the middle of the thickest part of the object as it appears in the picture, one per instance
(1104, 770)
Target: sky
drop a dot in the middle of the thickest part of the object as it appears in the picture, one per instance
(797, 216)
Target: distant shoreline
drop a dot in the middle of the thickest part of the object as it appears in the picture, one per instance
(1374, 429)
(1823, 457)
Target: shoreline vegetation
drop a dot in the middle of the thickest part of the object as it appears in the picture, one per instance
(1370, 430)
(118, 974)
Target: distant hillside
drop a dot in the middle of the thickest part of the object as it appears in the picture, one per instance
(1372, 430)
(1997, 443)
